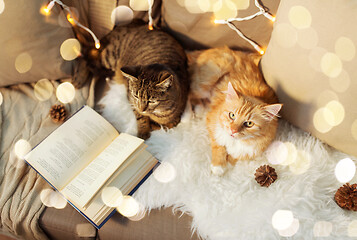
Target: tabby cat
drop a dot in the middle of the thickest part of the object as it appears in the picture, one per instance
(243, 109)
(153, 65)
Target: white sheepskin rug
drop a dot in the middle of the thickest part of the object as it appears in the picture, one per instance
(299, 204)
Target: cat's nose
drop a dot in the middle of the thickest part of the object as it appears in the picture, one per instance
(233, 130)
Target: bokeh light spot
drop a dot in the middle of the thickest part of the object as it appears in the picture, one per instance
(302, 163)
(140, 5)
(331, 65)
(70, 49)
(354, 129)
(224, 10)
(340, 83)
(112, 196)
(352, 229)
(241, 4)
(285, 35)
(21, 148)
(345, 170)
(307, 38)
(23, 62)
(319, 120)
(1, 98)
(292, 154)
(2, 6)
(129, 207)
(52, 198)
(345, 48)
(291, 230)
(139, 215)
(277, 152)
(122, 15)
(315, 57)
(45, 197)
(322, 229)
(43, 89)
(65, 92)
(326, 97)
(282, 219)
(300, 17)
(338, 113)
(85, 230)
(193, 6)
(204, 5)
(165, 172)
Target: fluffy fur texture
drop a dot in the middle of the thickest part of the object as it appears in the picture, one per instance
(235, 206)
(242, 116)
(152, 65)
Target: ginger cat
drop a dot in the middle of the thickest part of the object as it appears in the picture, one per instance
(243, 109)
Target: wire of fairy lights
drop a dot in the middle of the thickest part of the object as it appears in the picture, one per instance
(151, 3)
(70, 17)
(229, 22)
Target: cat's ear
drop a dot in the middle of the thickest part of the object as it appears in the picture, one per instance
(165, 83)
(271, 111)
(231, 93)
(130, 72)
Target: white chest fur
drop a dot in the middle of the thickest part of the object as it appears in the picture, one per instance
(234, 147)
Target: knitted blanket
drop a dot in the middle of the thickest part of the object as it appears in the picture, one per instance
(23, 116)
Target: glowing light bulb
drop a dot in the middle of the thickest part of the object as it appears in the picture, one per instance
(70, 19)
(97, 45)
(259, 49)
(269, 16)
(151, 27)
(46, 10)
(218, 21)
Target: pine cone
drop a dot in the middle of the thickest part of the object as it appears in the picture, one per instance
(265, 175)
(58, 113)
(346, 197)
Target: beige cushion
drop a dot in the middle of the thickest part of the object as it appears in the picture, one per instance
(197, 30)
(31, 42)
(100, 13)
(311, 62)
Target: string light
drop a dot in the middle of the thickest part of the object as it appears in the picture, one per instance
(150, 2)
(46, 11)
(262, 11)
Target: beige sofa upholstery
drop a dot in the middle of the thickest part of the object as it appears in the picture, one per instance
(67, 223)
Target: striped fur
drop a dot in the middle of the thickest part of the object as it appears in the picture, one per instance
(153, 65)
(242, 115)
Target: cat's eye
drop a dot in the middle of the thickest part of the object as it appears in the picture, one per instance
(232, 115)
(248, 124)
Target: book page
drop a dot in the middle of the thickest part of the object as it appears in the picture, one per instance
(70, 148)
(97, 210)
(85, 185)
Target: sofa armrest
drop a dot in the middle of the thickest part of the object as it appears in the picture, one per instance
(158, 224)
(66, 223)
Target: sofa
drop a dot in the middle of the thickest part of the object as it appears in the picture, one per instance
(310, 65)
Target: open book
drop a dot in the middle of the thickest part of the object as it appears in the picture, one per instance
(85, 155)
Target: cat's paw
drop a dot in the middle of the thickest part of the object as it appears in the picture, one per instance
(144, 135)
(218, 170)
